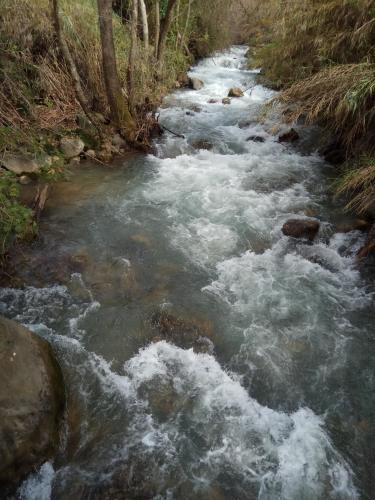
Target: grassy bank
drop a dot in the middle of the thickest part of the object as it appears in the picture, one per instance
(321, 54)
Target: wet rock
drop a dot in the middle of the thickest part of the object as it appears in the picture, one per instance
(71, 147)
(235, 92)
(196, 83)
(213, 101)
(256, 138)
(90, 153)
(196, 109)
(20, 165)
(183, 79)
(31, 403)
(290, 136)
(74, 162)
(301, 228)
(24, 180)
(226, 100)
(357, 225)
(245, 124)
(202, 145)
(181, 332)
(368, 249)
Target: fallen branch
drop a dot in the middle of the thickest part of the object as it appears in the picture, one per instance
(171, 131)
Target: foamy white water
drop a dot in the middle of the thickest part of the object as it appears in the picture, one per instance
(277, 409)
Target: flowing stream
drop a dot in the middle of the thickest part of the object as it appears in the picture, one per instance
(276, 400)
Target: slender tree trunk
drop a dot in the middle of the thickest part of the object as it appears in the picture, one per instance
(165, 25)
(186, 24)
(143, 10)
(80, 95)
(117, 102)
(157, 27)
(133, 55)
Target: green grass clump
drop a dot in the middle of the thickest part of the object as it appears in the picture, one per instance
(16, 220)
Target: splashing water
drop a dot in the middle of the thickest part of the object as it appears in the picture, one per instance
(281, 409)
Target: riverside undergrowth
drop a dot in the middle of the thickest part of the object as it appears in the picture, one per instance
(321, 54)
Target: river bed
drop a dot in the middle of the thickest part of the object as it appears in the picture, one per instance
(277, 400)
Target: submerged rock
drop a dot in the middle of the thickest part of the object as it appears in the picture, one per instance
(235, 92)
(226, 100)
(196, 83)
(213, 101)
(181, 332)
(21, 165)
(301, 228)
(71, 147)
(31, 403)
(256, 138)
(202, 145)
(290, 136)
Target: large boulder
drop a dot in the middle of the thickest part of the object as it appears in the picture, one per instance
(195, 83)
(31, 403)
(71, 147)
(235, 92)
(301, 228)
(20, 165)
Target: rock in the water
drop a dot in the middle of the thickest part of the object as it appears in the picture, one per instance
(71, 147)
(186, 334)
(368, 250)
(256, 138)
(213, 101)
(90, 153)
(183, 79)
(75, 161)
(235, 92)
(31, 403)
(20, 165)
(202, 145)
(195, 83)
(290, 136)
(301, 228)
(226, 100)
(24, 180)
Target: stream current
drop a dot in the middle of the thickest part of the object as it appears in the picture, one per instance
(280, 402)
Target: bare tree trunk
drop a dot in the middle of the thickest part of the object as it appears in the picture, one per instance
(143, 10)
(186, 24)
(80, 95)
(117, 102)
(133, 55)
(157, 27)
(165, 25)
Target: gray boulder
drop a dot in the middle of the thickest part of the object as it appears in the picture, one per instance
(195, 83)
(71, 147)
(20, 165)
(31, 403)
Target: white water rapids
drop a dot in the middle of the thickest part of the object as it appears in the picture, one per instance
(271, 412)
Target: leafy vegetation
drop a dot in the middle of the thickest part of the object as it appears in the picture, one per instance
(16, 220)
